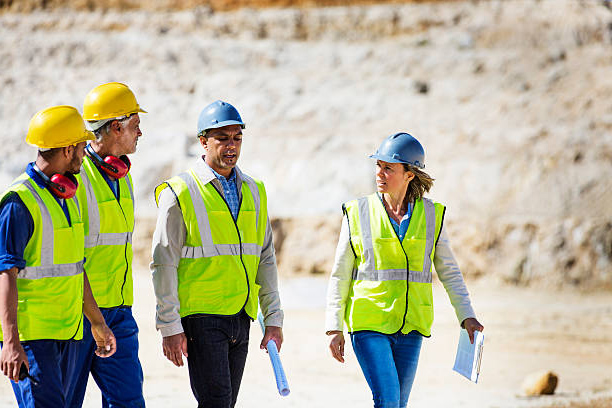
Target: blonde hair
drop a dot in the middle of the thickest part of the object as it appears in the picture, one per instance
(419, 185)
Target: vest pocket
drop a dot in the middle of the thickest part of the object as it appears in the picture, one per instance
(388, 254)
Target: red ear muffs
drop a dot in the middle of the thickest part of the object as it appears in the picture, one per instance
(117, 167)
(63, 186)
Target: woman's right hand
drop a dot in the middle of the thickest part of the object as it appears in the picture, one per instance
(336, 345)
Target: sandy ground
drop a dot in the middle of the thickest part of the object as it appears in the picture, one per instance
(512, 101)
(526, 330)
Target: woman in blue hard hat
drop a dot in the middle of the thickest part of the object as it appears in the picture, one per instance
(381, 282)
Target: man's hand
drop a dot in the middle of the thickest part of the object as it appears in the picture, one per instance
(105, 340)
(11, 359)
(175, 347)
(336, 345)
(471, 325)
(272, 333)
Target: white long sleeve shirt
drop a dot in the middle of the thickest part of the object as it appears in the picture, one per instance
(341, 279)
(168, 240)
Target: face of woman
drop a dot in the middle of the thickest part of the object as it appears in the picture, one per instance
(391, 178)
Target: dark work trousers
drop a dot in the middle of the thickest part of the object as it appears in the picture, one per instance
(44, 357)
(217, 348)
(119, 376)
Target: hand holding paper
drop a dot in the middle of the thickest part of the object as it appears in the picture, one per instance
(467, 361)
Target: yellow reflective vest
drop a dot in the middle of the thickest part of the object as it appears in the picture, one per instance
(109, 224)
(50, 287)
(391, 288)
(220, 257)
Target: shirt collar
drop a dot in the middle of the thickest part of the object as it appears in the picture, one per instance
(35, 176)
(206, 174)
(232, 176)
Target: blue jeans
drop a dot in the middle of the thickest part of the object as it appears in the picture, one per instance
(44, 358)
(119, 377)
(389, 363)
(217, 348)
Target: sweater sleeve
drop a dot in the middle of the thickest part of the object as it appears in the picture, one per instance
(452, 279)
(168, 240)
(267, 278)
(340, 280)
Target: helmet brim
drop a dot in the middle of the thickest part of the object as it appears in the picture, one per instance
(385, 158)
(86, 136)
(390, 159)
(225, 123)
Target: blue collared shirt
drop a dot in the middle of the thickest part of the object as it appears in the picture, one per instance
(17, 225)
(402, 227)
(113, 184)
(230, 191)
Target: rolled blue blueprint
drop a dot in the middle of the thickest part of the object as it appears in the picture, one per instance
(279, 373)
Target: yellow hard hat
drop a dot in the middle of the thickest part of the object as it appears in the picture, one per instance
(57, 126)
(109, 101)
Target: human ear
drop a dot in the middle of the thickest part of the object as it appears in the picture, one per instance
(67, 151)
(203, 142)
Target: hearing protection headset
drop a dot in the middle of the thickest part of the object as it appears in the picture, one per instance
(117, 167)
(61, 185)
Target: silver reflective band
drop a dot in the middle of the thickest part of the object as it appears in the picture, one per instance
(199, 208)
(109, 238)
(430, 233)
(130, 187)
(93, 236)
(366, 234)
(367, 270)
(391, 274)
(220, 249)
(255, 193)
(51, 271)
(93, 213)
(46, 245)
(209, 248)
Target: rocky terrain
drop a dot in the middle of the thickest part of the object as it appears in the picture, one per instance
(511, 99)
(173, 5)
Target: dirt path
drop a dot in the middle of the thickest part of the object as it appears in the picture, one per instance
(526, 330)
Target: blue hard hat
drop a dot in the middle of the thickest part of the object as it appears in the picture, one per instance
(401, 148)
(216, 115)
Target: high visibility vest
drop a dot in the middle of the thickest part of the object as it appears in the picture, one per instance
(50, 287)
(109, 224)
(220, 256)
(391, 289)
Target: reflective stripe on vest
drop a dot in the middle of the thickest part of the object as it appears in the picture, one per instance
(220, 256)
(208, 248)
(109, 224)
(50, 287)
(391, 288)
(94, 237)
(367, 270)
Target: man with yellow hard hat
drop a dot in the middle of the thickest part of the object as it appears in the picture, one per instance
(44, 290)
(107, 204)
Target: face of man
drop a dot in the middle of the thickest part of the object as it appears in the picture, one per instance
(126, 134)
(75, 157)
(222, 148)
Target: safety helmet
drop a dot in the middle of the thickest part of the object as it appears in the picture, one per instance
(401, 148)
(110, 101)
(58, 126)
(216, 115)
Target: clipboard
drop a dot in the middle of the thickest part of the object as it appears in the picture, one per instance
(469, 356)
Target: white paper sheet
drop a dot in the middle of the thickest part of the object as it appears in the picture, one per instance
(467, 361)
